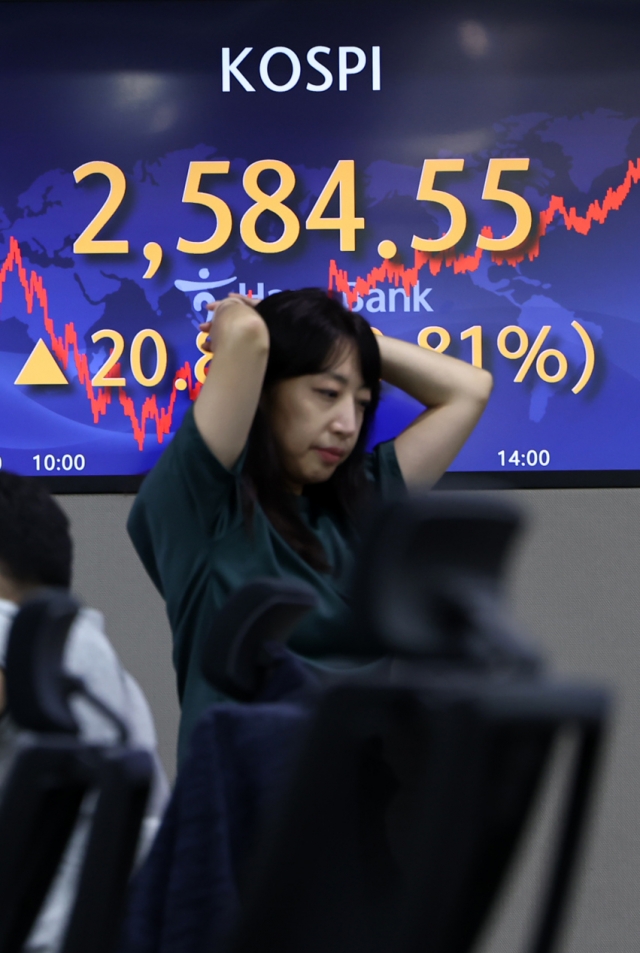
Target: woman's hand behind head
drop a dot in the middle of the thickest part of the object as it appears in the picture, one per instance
(225, 311)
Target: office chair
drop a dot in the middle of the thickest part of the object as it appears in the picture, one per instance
(52, 774)
(412, 792)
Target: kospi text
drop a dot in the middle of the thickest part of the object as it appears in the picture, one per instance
(323, 64)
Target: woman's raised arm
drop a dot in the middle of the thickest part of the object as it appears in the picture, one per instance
(455, 393)
(227, 403)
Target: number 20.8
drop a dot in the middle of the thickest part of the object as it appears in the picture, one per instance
(341, 181)
(104, 377)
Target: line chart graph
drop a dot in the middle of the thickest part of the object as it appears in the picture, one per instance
(69, 352)
(597, 212)
(67, 347)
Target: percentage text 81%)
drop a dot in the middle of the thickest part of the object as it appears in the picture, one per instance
(513, 343)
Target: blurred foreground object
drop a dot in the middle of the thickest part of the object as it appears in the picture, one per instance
(409, 798)
(373, 806)
(52, 774)
(429, 585)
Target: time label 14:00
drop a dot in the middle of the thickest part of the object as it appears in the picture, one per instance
(66, 463)
(341, 182)
(530, 458)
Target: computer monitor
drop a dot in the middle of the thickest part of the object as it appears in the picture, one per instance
(466, 176)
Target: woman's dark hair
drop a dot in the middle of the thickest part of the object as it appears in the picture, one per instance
(35, 544)
(308, 330)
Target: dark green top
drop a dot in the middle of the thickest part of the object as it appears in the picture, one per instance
(188, 528)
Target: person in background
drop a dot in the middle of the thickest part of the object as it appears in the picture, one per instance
(268, 469)
(36, 551)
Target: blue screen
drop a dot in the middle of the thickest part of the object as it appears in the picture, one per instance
(456, 180)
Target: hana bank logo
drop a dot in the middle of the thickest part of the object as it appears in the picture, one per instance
(349, 61)
(377, 300)
(204, 288)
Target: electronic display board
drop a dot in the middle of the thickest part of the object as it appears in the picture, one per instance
(462, 185)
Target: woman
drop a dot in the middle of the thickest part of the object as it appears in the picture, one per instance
(263, 477)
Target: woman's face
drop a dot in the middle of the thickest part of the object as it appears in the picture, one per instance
(316, 419)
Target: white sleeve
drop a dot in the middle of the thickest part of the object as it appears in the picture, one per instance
(90, 655)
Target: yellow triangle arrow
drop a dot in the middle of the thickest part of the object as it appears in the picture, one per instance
(41, 368)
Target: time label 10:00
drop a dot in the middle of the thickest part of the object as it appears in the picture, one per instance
(67, 462)
(341, 182)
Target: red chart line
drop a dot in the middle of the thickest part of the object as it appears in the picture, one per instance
(67, 345)
(597, 212)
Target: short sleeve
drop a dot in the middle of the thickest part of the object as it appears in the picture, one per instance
(383, 469)
(188, 498)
